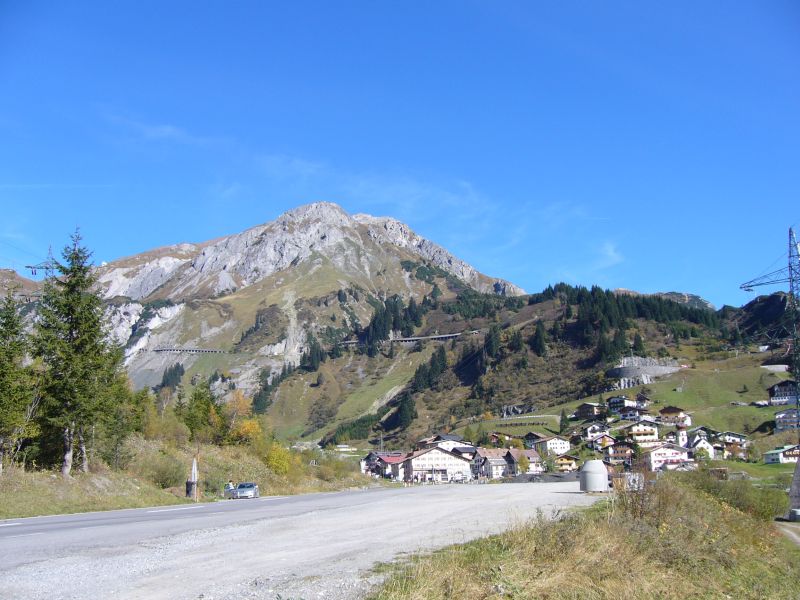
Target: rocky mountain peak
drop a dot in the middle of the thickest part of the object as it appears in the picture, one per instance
(357, 245)
(325, 212)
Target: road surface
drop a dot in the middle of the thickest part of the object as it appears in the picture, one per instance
(310, 546)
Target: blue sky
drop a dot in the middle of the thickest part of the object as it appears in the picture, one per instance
(652, 146)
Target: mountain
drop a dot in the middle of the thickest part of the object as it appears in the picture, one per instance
(690, 300)
(257, 295)
(23, 287)
(765, 319)
(237, 311)
(358, 246)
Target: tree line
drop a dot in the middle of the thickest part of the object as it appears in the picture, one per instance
(65, 396)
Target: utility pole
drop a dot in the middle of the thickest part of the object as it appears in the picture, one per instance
(790, 275)
(48, 266)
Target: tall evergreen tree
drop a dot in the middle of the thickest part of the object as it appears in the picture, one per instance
(638, 345)
(406, 412)
(15, 397)
(539, 342)
(515, 342)
(80, 363)
(620, 343)
(492, 342)
(563, 422)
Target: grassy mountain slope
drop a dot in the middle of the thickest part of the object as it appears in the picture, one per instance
(475, 386)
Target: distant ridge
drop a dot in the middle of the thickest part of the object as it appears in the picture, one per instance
(690, 300)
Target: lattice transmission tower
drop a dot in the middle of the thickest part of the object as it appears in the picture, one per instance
(790, 275)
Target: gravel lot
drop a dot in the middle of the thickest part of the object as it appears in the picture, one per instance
(317, 546)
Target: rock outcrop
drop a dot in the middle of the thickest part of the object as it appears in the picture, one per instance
(354, 244)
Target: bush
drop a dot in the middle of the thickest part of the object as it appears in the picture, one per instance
(762, 503)
(278, 459)
(165, 471)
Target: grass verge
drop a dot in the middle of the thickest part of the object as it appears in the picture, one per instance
(156, 475)
(675, 540)
(30, 494)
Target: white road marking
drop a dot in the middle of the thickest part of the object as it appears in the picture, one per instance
(171, 509)
(271, 498)
(9, 524)
(24, 535)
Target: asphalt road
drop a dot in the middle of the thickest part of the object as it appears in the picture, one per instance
(310, 546)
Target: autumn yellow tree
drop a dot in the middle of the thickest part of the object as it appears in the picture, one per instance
(239, 407)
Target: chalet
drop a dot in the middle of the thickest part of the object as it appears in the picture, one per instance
(535, 465)
(701, 443)
(589, 410)
(553, 445)
(383, 464)
(491, 463)
(787, 419)
(467, 452)
(445, 441)
(666, 457)
(616, 404)
(784, 392)
(672, 415)
(641, 432)
(729, 450)
(566, 463)
(633, 413)
(601, 442)
(619, 453)
(501, 439)
(783, 454)
(589, 431)
(642, 401)
(702, 431)
(436, 464)
(530, 438)
(496, 467)
(731, 437)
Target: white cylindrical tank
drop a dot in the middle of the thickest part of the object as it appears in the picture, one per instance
(594, 476)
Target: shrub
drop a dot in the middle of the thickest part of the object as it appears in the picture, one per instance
(762, 503)
(165, 471)
(278, 459)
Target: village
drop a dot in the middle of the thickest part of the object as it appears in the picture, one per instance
(625, 433)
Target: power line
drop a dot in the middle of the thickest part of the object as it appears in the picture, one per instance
(28, 252)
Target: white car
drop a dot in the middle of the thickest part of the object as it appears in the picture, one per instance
(245, 490)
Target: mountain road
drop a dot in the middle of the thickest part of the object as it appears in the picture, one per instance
(309, 546)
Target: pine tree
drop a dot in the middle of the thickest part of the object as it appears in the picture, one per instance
(638, 345)
(80, 362)
(563, 422)
(539, 342)
(15, 398)
(515, 343)
(202, 415)
(492, 342)
(620, 343)
(406, 412)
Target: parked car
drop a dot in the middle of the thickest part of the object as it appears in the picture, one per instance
(246, 490)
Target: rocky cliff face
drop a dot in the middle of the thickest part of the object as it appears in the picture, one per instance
(210, 295)
(354, 244)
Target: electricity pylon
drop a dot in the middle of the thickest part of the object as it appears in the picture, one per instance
(790, 275)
